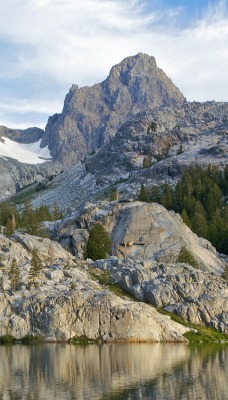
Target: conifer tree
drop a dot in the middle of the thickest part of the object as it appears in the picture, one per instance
(185, 217)
(35, 268)
(156, 195)
(99, 243)
(143, 195)
(1, 284)
(14, 275)
(114, 195)
(185, 256)
(10, 225)
(56, 212)
(29, 219)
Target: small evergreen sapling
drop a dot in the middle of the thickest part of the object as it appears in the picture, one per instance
(35, 269)
(185, 256)
(14, 275)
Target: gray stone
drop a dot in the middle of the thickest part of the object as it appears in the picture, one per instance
(70, 303)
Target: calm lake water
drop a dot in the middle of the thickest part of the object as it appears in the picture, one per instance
(114, 371)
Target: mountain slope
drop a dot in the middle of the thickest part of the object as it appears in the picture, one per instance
(137, 156)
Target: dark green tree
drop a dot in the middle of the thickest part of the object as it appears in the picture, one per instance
(143, 195)
(29, 219)
(1, 284)
(185, 217)
(43, 213)
(180, 150)
(114, 195)
(168, 197)
(56, 212)
(152, 127)
(147, 161)
(156, 194)
(99, 244)
(10, 225)
(35, 268)
(185, 256)
(14, 275)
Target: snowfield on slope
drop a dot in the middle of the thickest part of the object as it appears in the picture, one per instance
(30, 153)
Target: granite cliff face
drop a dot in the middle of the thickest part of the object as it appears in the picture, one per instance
(198, 297)
(146, 243)
(92, 115)
(67, 302)
(139, 230)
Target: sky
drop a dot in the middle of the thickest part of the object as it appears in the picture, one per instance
(48, 45)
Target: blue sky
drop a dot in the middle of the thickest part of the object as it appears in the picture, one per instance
(47, 45)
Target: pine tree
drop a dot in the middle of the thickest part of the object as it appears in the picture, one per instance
(147, 161)
(14, 275)
(168, 197)
(185, 217)
(180, 150)
(156, 195)
(114, 195)
(143, 195)
(10, 225)
(35, 268)
(99, 243)
(56, 212)
(199, 224)
(43, 213)
(29, 219)
(1, 284)
(185, 256)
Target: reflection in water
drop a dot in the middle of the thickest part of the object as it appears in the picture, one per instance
(113, 371)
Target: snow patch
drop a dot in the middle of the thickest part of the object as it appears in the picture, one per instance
(30, 153)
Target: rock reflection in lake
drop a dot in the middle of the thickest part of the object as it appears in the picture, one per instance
(113, 371)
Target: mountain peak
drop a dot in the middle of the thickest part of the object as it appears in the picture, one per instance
(139, 65)
(92, 115)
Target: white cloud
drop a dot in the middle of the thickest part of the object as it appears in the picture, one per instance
(70, 41)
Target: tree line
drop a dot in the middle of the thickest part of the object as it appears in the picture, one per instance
(29, 219)
(200, 197)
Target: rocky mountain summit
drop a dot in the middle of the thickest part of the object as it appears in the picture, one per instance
(126, 131)
(92, 115)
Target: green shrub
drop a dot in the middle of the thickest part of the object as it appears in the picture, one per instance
(186, 256)
(7, 339)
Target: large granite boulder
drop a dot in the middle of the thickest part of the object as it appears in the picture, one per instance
(142, 230)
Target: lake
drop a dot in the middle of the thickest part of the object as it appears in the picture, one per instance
(113, 371)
